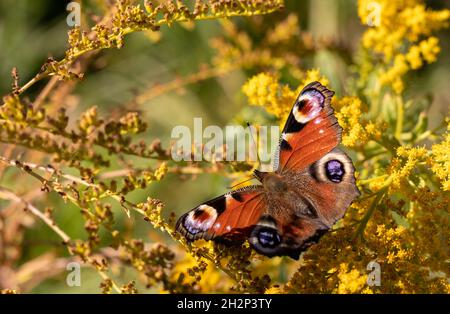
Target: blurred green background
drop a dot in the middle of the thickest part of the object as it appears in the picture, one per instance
(32, 30)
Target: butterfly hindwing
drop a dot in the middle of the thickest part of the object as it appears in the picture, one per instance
(332, 186)
(231, 215)
(284, 235)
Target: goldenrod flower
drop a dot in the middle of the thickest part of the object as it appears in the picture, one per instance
(266, 90)
(356, 130)
(397, 25)
(441, 160)
(351, 281)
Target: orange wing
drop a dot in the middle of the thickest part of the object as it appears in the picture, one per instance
(232, 215)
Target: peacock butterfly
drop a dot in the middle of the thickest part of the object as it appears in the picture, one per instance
(310, 188)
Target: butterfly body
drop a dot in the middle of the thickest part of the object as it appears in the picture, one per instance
(309, 190)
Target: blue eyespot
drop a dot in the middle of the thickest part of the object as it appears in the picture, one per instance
(334, 170)
(268, 237)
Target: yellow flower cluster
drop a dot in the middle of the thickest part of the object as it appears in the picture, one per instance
(210, 280)
(427, 50)
(356, 130)
(391, 237)
(399, 25)
(350, 281)
(274, 290)
(428, 228)
(284, 31)
(441, 159)
(407, 256)
(266, 90)
(397, 21)
(401, 166)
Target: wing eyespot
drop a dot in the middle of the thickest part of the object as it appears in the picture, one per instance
(308, 106)
(335, 167)
(268, 237)
(334, 170)
(265, 238)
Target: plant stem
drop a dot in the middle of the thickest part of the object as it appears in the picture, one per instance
(9, 195)
(363, 223)
(400, 116)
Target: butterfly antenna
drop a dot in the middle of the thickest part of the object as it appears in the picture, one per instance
(254, 143)
(237, 184)
(257, 156)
